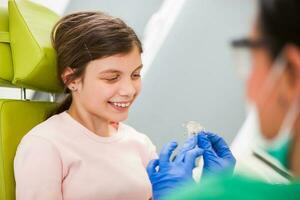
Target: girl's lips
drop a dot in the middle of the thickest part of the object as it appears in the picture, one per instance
(120, 102)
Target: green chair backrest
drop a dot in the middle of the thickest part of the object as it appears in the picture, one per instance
(17, 117)
(27, 60)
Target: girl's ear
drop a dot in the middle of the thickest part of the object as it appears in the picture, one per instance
(66, 77)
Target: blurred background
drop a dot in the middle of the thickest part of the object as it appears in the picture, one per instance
(189, 73)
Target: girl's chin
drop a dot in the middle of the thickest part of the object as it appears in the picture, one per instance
(117, 118)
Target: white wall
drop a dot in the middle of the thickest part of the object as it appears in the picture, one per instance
(193, 76)
(3, 3)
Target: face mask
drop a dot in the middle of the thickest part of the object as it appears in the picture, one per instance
(277, 147)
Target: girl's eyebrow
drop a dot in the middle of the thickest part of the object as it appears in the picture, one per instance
(117, 71)
(109, 71)
(139, 67)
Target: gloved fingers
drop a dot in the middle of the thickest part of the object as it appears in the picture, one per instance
(167, 151)
(192, 155)
(205, 144)
(216, 140)
(219, 145)
(189, 144)
(151, 167)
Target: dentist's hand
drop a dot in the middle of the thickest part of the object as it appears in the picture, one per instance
(171, 174)
(217, 156)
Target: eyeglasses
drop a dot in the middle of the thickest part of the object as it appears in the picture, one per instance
(242, 54)
(249, 43)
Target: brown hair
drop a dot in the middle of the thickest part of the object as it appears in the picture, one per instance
(81, 37)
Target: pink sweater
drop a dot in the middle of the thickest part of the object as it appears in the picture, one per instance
(61, 159)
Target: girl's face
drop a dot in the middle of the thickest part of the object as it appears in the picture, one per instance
(109, 86)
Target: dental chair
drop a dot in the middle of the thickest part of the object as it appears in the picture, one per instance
(27, 60)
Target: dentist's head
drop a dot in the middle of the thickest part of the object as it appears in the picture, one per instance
(273, 82)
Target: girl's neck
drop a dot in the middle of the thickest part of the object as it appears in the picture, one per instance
(96, 125)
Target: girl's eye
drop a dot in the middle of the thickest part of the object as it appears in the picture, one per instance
(136, 76)
(113, 78)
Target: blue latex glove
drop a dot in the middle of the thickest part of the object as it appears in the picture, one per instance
(217, 156)
(175, 173)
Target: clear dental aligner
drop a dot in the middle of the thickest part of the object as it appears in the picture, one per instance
(193, 128)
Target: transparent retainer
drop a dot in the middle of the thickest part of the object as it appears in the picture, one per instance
(192, 128)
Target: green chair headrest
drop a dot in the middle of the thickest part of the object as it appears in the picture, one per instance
(34, 59)
(6, 67)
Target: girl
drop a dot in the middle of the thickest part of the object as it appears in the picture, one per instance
(83, 152)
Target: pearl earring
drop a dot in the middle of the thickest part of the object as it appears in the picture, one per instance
(73, 88)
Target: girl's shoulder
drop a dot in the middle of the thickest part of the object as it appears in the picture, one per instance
(52, 126)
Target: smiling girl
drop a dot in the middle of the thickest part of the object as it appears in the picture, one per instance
(84, 152)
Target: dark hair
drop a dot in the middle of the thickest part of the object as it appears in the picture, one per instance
(81, 37)
(279, 23)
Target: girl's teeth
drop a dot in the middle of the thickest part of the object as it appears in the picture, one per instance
(123, 105)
